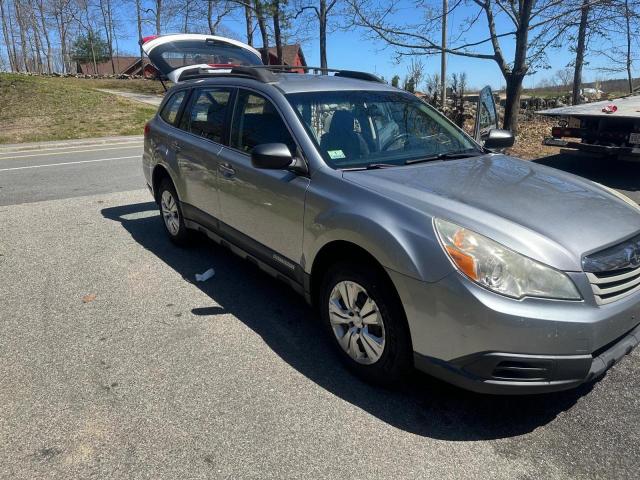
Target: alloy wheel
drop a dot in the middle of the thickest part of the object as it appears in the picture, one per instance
(170, 212)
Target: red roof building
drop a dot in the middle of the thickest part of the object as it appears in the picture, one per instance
(291, 55)
(123, 66)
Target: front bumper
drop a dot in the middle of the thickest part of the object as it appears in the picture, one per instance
(508, 373)
(481, 341)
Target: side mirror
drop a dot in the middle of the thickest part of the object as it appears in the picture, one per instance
(271, 156)
(497, 139)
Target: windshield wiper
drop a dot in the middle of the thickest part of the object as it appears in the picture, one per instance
(372, 166)
(442, 156)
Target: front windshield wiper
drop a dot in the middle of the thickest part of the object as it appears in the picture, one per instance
(442, 156)
(371, 166)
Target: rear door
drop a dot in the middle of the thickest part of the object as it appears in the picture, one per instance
(267, 206)
(176, 56)
(203, 132)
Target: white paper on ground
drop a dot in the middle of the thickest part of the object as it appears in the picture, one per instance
(203, 277)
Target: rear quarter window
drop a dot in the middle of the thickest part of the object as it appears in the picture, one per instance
(171, 109)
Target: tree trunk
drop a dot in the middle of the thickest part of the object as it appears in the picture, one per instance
(627, 17)
(322, 20)
(580, 49)
(443, 58)
(248, 16)
(276, 31)
(23, 37)
(7, 41)
(262, 25)
(212, 29)
(515, 76)
(105, 9)
(139, 20)
(158, 15)
(45, 31)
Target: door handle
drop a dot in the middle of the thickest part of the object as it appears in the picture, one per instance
(226, 170)
(176, 146)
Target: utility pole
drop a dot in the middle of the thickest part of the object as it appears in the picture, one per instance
(443, 60)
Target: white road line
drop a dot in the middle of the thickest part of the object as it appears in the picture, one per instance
(72, 151)
(69, 163)
(62, 147)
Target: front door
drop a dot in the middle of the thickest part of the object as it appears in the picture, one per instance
(267, 206)
(486, 115)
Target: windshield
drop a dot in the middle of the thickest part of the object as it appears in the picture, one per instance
(359, 128)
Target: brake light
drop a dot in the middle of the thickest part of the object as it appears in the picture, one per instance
(147, 39)
(559, 132)
(222, 65)
(147, 129)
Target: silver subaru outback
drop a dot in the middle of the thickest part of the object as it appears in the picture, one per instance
(418, 245)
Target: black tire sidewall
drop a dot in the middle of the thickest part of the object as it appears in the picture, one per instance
(182, 237)
(395, 361)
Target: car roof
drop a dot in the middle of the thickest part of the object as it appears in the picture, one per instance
(298, 83)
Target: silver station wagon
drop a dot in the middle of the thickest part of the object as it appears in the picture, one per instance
(418, 245)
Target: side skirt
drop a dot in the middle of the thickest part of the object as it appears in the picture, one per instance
(266, 259)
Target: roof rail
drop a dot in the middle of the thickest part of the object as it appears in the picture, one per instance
(265, 73)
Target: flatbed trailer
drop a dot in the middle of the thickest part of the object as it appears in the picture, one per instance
(609, 128)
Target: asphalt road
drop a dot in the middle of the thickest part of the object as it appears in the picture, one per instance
(115, 363)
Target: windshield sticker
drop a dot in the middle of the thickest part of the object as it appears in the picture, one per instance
(336, 154)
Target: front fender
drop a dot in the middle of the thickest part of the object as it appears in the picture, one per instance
(403, 243)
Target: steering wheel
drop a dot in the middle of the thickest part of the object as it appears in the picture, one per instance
(393, 141)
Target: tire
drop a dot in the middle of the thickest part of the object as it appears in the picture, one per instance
(385, 362)
(171, 213)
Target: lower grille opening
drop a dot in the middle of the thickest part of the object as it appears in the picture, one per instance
(513, 370)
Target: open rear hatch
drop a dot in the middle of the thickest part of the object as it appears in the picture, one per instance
(179, 56)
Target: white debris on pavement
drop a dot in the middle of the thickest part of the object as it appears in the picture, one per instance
(203, 277)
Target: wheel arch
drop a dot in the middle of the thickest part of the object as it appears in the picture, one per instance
(160, 172)
(340, 251)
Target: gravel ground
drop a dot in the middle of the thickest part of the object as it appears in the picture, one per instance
(114, 363)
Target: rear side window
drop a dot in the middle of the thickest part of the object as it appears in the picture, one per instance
(171, 109)
(256, 122)
(207, 114)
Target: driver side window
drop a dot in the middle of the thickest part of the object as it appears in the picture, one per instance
(256, 122)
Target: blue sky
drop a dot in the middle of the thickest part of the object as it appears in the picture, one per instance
(354, 50)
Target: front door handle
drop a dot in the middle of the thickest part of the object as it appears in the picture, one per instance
(226, 170)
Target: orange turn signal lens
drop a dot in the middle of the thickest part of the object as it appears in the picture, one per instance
(464, 262)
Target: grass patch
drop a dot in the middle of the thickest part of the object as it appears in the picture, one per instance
(41, 108)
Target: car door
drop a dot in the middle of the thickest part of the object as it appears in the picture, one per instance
(198, 146)
(267, 206)
(486, 115)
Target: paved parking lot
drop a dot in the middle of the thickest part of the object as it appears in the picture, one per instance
(115, 363)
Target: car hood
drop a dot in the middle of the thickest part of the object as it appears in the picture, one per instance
(549, 215)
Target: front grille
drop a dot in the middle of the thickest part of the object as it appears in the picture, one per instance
(614, 285)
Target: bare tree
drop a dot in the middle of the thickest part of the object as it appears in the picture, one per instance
(532, 26)
(580, 50)
(322, 11)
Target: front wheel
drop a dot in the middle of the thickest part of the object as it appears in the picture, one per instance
(366, 321)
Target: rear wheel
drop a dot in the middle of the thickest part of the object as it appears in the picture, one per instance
(366, 321)
(171, 213)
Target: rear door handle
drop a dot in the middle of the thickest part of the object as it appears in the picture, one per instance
(226, 169)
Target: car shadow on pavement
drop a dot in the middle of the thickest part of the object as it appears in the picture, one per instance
(422, 405)
(623, 175)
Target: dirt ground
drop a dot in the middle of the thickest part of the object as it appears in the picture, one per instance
(531, 133)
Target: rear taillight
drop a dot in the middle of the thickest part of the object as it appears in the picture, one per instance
(147, 129)
(559, 132)
(144, 40)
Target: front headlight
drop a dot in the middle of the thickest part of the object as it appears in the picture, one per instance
(499, 268)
